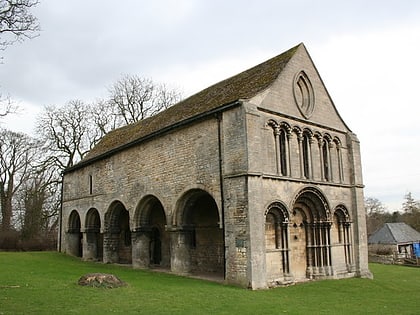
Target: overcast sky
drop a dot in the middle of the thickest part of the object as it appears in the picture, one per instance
(367, 53)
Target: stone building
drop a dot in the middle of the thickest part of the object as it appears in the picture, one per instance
(398, 239)
(256, 180)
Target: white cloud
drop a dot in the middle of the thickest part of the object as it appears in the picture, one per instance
(373, 79)
(366, 52)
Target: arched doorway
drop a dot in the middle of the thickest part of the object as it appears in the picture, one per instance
(310, 235)
(277, 242)
(152, 241)
(202, 242)
(94, 239)
(117, 238)
(74, 235)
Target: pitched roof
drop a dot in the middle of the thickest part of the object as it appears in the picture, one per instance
(241, 86)
(394, 233)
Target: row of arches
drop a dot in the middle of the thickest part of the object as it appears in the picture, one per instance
(328, 151)
(307, 241)
(304, 241)
(195, 244)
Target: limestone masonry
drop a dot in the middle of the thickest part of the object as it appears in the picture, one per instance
(256, 180)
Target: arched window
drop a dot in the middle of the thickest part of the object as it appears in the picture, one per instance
(326, 158)
(281, 134)
(342, 224)
(276, 237)
(339, 160)
(283, 152)
(306, 154)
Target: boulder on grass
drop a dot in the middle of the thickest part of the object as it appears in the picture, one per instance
(101, 280)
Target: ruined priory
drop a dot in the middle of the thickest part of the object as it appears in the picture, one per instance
(255, 180)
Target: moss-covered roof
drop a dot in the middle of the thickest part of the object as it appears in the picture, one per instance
(241, 86)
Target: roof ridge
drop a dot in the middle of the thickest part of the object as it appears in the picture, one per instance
(243, 85)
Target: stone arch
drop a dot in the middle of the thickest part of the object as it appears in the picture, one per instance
(276, 242)
(310, 231)
(326, 162)
(199, 240)
(117, 235)
(341, 236)
(186, 203)
(74, 234)
(306, 153)
(151, 246)
(315, 201)
(282, 134)
(94, 238)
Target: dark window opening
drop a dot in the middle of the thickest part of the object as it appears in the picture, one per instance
(283, 152)
(306, 153)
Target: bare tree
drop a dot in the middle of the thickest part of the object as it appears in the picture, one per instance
(39, 202)
(16, 153)
(16, 21)
(375, 214)
(103, 118)
(411, 211)
(16, 24)
(68, 132)
(7, 106)
(133, 98)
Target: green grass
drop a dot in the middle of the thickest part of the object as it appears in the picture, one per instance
(46, 283)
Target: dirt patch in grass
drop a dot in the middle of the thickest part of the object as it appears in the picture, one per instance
(101, 280)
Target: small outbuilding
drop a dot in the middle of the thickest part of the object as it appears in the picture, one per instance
(396, 238)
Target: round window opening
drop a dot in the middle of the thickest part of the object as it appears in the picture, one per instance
(304, 94)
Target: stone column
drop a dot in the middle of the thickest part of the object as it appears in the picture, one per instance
(141, 247)
(180, 253)
(360, 247)
(90, 245)
(73, 243)
(111, 247)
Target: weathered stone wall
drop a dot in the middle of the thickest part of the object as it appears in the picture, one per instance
(266, 186)
(234, 157)
(166, 167)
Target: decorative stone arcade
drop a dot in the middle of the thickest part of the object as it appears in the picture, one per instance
(277, 243)
(310, 235)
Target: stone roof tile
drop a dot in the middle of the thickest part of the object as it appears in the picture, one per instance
(394, 233)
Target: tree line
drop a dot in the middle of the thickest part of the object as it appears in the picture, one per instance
(377, 214)
(31, 167)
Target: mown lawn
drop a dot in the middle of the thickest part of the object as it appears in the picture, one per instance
(46, 283)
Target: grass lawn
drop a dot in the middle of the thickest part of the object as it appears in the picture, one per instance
(46, 283)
